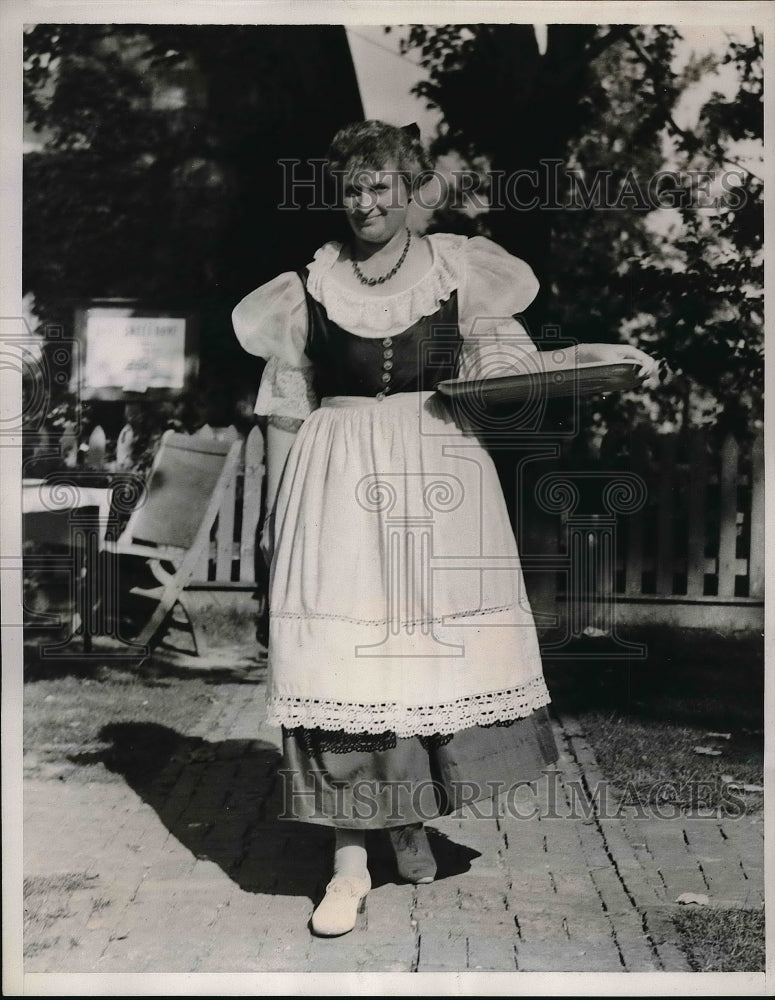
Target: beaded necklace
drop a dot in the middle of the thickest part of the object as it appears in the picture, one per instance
(385, 277)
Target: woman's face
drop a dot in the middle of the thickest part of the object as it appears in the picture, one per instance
(375, 203)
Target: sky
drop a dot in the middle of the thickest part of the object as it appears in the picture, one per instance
(385, 78)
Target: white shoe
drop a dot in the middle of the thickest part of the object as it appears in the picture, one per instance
(337, 912)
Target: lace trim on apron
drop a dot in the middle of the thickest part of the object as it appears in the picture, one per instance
(410, 720)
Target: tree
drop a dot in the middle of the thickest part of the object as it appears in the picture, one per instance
(703, 296)
(159, 173)
(593, 117)
(501, 97)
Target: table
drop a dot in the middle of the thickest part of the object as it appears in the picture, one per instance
(74, 515)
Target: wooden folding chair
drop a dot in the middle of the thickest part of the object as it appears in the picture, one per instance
(185, 489)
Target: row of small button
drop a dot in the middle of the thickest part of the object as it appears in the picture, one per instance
(387, 364)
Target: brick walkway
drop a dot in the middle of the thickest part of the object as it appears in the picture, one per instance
(190, 871)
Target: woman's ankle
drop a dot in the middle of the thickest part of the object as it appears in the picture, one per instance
(350, 853)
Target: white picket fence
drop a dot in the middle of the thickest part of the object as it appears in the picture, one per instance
(692, 555)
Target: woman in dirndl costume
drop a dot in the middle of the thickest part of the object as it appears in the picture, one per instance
(404, 666)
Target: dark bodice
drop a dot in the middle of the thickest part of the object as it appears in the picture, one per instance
(414, 360)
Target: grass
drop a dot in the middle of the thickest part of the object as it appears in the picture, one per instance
(656, 762)
(68, 700)
(722, 940)
(63, 717)
(645, 717)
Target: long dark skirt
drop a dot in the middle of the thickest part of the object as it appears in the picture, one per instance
(367, 781)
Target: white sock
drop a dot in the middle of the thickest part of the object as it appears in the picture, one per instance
(350, 853)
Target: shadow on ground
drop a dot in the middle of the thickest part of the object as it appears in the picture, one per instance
(223, 802)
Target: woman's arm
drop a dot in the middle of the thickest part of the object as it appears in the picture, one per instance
(280, 434)
(495, 288)
(608, 353)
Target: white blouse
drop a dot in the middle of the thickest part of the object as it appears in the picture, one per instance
(492, 287)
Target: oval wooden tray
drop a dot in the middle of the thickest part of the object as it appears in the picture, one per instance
(588, 379)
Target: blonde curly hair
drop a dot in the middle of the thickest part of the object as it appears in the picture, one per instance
(372, 145)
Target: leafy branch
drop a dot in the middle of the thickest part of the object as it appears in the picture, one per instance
(690, 141)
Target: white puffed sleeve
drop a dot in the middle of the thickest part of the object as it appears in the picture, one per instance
(494, 287)
(272, 323)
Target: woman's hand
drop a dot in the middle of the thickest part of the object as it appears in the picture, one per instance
(616, 354)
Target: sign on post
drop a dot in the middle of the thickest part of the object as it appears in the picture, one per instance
(132, 352)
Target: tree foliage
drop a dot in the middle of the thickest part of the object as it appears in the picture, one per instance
(158, 175)
(158, 178)
(601, 103)
(704, 294)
